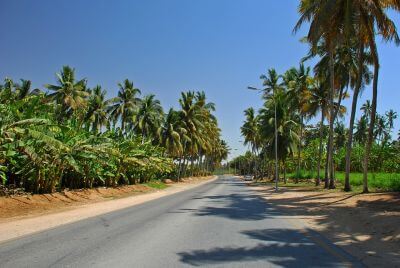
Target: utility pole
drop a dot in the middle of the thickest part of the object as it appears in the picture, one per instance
(276, 148)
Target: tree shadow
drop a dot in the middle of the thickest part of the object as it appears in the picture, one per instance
(283, 247)
(368, 229)
(237, 207)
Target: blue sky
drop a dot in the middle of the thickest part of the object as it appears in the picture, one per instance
(166, 47)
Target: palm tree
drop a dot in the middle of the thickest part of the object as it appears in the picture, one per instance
(191, 118)
(391, 116)
(317, 102)
(68, 93)
(373, 16)
(361, 132)
(297, 88)
(323, 16)
(148, 118)
(126, 104)
(285, 136)
(170, 134)
(97, 114)
(249, 129)
(366, 108)
(362, 77)
(23, 89)
(271, 85)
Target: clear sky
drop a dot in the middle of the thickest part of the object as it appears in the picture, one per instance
(165, 47)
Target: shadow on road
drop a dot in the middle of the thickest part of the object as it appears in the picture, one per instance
(276, 246)
(237, 207)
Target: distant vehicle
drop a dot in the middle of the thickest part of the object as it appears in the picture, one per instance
(248, 177)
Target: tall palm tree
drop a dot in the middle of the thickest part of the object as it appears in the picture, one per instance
(286, 134)
(68, 93)
(97, 114)
(366, 108)
(296, 91)
(391, 116)
(317, 102)
(362, 77)
(191, 119)
(374, 18)
(249, 129)
(360, 135)
(126, 104)
(324, 18)
(170, 134)
(271, 85)
(148, 118)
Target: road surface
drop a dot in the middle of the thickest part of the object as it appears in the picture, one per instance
(222, 223)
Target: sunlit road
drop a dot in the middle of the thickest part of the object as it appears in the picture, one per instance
(222, 223)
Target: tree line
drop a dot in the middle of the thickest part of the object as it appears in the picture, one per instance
(342, 38)
(69, 135)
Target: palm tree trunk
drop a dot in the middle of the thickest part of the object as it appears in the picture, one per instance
(326, 177)
(179, 169)
(347, 186)
(299, 152)
(332, 93)
(372, 122)
(321, 128)
(284, 172)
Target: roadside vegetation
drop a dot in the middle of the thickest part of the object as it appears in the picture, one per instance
(306, 104)
(69, 135)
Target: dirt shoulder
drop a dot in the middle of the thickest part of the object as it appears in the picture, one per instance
(23, 215)
(365, 225)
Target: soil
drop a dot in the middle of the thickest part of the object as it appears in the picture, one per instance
(365, 225)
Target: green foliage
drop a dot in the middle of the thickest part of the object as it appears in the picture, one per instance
(381, 181)
(74, 138)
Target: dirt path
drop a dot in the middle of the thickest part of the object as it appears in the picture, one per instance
(367, 226)
(25, 215)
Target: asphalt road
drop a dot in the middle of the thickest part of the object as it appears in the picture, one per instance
(222, 224)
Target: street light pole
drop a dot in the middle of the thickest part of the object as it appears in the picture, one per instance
(276, 147)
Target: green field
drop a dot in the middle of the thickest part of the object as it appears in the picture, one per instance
(156, 185)
(378, 181)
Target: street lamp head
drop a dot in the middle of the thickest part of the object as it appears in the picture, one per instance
(253, 88)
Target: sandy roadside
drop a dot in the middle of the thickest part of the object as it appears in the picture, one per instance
(366, 226)
(14, 228)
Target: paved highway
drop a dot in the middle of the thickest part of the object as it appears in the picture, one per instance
(222, 223)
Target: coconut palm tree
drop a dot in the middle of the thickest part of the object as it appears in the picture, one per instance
(170, 133)
(374, 18)
(271, 85)
(249, 129)
(324, 18)
(191, 117)
(360, 134)
(68, 93)
(126, 104)
(286, 131)
(296, 91)
(391, 116)
(97, 114)
(317, 102)
(148, 118)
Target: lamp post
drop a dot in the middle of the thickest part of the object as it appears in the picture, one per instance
(275, 136)
(276, 148)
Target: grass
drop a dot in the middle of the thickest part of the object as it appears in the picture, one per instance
(159, 185)
(222, 171)
(376, 181)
